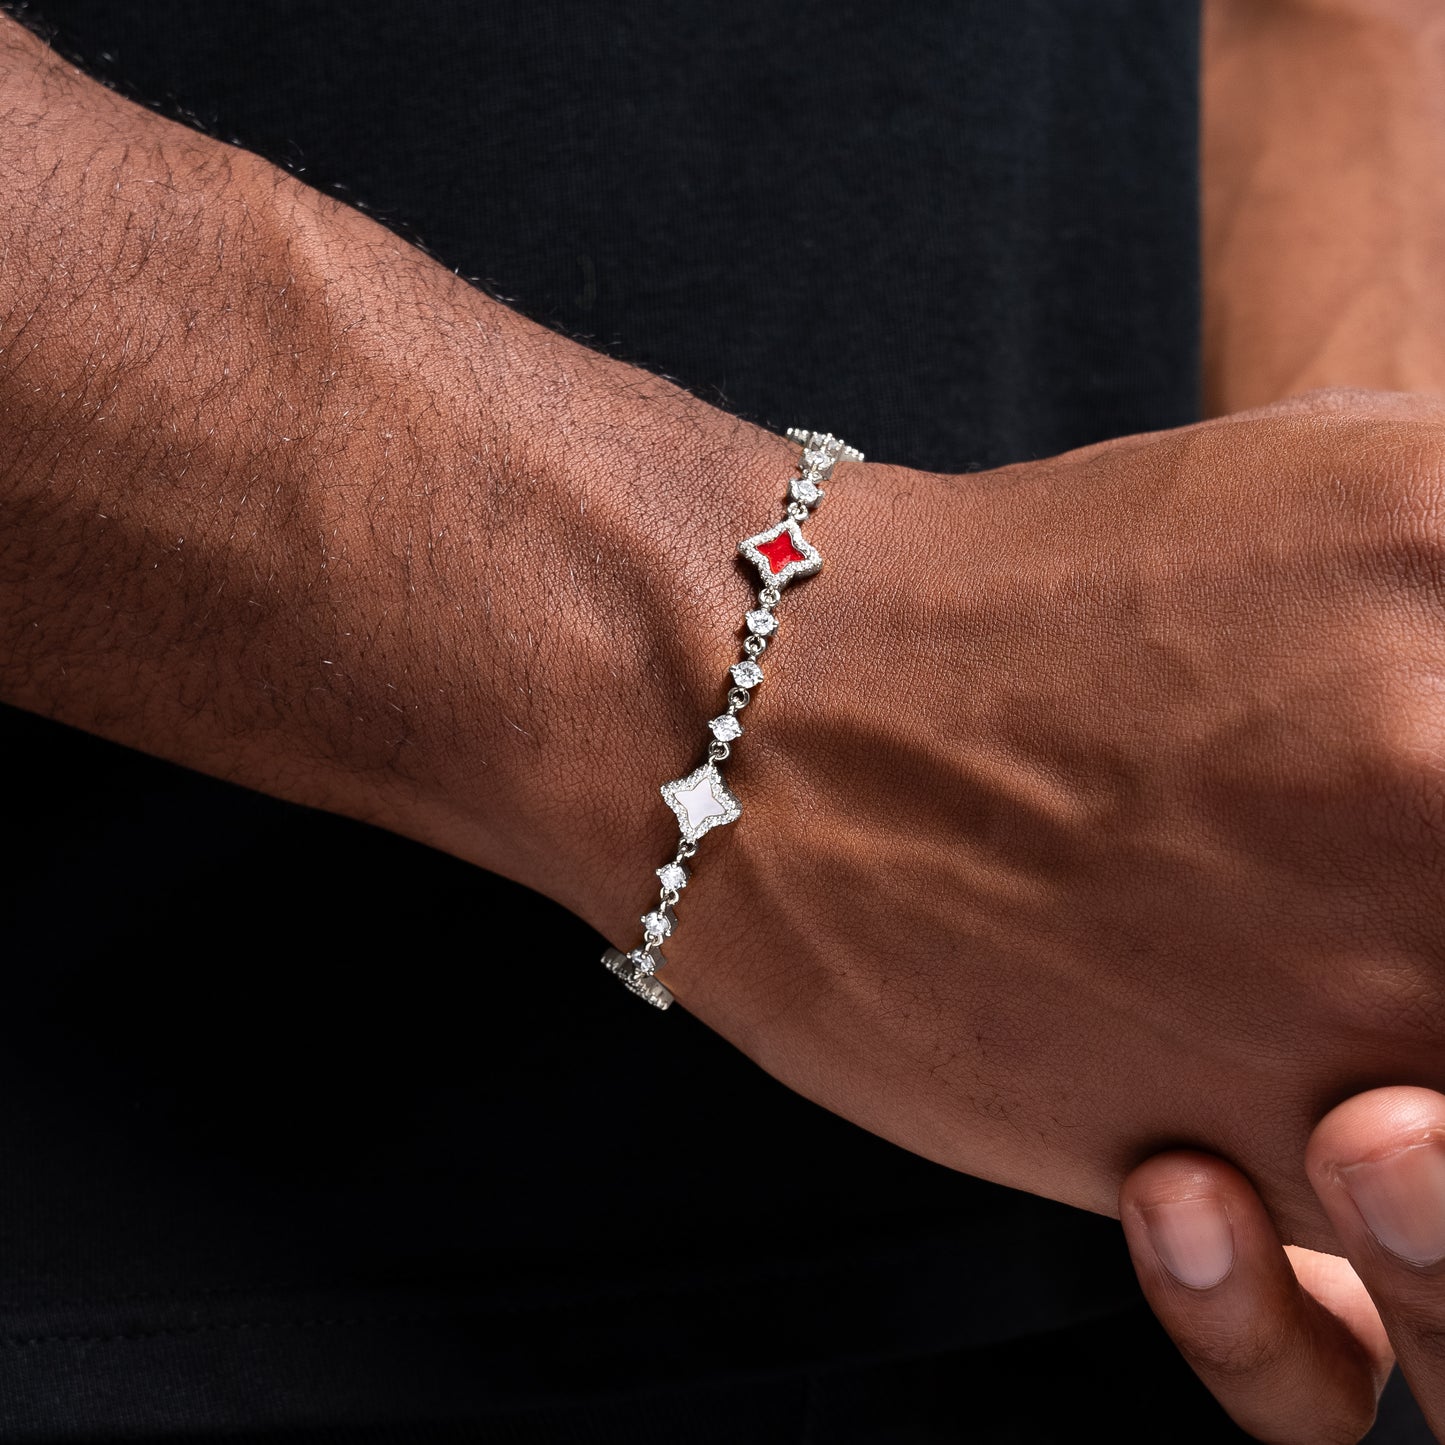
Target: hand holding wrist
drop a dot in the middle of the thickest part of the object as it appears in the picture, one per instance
(1066, 775)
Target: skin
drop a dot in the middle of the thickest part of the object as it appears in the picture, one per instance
(1133, 840)
(286, 501)
(1323, 142)
(1297, 1345)
(1325, 231)
(1091, 807)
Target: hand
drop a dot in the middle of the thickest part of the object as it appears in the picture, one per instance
(1296, 1345)
(1091, 804)
(1095, 804)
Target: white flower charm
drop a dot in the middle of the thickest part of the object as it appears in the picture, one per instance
(701, 801)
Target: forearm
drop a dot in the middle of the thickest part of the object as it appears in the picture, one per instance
(1324, 197)
(284, 500)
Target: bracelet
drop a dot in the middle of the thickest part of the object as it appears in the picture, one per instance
(702, 801)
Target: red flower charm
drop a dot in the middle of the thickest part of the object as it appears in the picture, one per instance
(781, 554)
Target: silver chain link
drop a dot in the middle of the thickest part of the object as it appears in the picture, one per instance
(821, 451)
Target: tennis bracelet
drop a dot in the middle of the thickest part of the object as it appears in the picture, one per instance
(702, 800)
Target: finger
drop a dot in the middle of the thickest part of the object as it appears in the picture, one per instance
(1378, 1164)
(1214, 1271)
(1333, 1282)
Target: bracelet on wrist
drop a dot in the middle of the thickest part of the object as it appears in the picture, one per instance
(701, 800)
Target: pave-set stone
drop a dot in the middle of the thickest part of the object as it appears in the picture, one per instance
(701, 800)
(636, 970)
(781, 554)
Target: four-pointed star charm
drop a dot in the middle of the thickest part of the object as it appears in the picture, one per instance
(701, 801)
(781, 554)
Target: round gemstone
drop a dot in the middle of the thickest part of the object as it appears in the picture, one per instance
(657, 923)
(747, 674)
(673, 876)
(644, 962)
(806, 490)
(726, 728)
(761, 622)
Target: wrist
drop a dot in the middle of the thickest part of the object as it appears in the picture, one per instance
(649, 525)
(589, 517)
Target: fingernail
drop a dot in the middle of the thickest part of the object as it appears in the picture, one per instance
(1401, 1198)
(1192, 1238)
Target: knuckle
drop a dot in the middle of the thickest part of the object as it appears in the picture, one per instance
(1261, 1374)
(1235, 1357)
(1348, 1425)
(1417, 1322)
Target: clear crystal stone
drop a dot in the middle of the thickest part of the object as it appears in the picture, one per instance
(806, 491)
(726, 728)
(747, 674)
(761, 622)
(658, 923)
(673, 876)
(818, 461)
(645, 962)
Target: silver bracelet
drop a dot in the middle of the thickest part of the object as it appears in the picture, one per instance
(702, 801)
